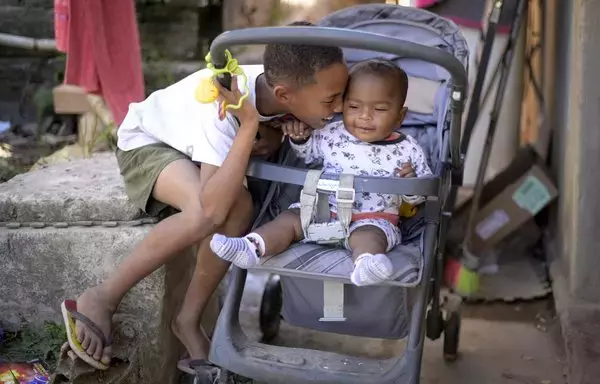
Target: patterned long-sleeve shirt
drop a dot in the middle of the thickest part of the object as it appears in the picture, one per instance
(341, 152)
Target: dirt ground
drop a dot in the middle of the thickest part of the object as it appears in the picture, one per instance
(501, 344)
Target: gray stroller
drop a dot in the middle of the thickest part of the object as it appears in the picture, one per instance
(310, 284)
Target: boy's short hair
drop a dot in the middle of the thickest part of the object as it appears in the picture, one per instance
(298, 63)
(384, 68)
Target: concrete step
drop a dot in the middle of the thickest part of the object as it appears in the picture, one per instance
(78, 190)
(63, 229)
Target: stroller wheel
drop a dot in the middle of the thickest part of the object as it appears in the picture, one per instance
(451, 336)
(434, 324)
(270, 309)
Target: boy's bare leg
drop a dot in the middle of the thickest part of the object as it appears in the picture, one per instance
(270, 239)
(371, 265)
(179, 185)
(208, 274)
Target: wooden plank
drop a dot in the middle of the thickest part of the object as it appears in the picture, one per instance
(531, 117)
(549, 74)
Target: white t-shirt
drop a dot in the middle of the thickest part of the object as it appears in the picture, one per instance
(173, 116)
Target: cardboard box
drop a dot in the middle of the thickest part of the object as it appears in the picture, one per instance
(511, 199)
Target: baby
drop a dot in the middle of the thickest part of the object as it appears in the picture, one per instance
(364, 144)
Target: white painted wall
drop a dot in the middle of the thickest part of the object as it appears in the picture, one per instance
(506, 141)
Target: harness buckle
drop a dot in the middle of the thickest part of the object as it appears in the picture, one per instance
(347, 195)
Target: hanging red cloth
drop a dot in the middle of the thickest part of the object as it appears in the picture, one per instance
(102, 43)
(425, 3)
(61, 24)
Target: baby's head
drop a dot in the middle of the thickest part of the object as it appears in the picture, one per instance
(374, 99)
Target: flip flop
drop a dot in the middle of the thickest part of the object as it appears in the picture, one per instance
(70, 315)
(198, 367)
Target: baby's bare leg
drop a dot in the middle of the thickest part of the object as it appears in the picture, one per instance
(270, 239)
(371, 266)
(280, 233)
(367, 239)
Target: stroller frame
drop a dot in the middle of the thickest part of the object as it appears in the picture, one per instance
(232, 349)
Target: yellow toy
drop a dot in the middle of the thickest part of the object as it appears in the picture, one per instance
(207, 92)
(407, 210)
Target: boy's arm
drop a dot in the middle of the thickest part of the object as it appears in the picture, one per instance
(221, 186)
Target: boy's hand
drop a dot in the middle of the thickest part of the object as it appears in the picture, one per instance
(296, 130)
(247, 112)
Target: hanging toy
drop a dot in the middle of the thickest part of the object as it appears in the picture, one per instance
(207, 92)
(407, 210)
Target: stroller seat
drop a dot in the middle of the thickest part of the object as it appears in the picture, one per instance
(334, 263)
(313, 277)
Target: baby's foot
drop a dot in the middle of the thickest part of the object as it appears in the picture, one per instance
(371, 269)
(238, 250)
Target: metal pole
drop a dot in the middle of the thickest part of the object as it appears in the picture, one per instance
(470, 260)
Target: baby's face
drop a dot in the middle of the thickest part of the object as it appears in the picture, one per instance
(372, 108)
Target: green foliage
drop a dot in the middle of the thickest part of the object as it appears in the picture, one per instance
(43, 99)
(30, 344)
(158, 74)
(8, 170)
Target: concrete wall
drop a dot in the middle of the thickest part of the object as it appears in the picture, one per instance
(63, 229)
(574, 113)
(176, 31)
(506, 138)
(21, 72)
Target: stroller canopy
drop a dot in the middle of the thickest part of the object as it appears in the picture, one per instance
(410, 24)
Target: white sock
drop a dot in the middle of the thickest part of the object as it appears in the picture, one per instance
(371, 269)
(243, 252)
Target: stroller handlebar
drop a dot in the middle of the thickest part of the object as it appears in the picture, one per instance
(347, 38)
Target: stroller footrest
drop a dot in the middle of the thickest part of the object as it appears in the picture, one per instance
(286, 359)
(304, 362)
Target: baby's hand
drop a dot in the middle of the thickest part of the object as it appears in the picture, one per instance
(296, 130)
(406, 170)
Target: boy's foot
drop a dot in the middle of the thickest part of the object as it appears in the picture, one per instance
(92, 305)
(371, 269)
(240, 251)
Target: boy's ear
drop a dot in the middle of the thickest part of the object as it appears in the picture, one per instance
(282, 93)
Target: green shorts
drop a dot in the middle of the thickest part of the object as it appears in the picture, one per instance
(140, 168)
